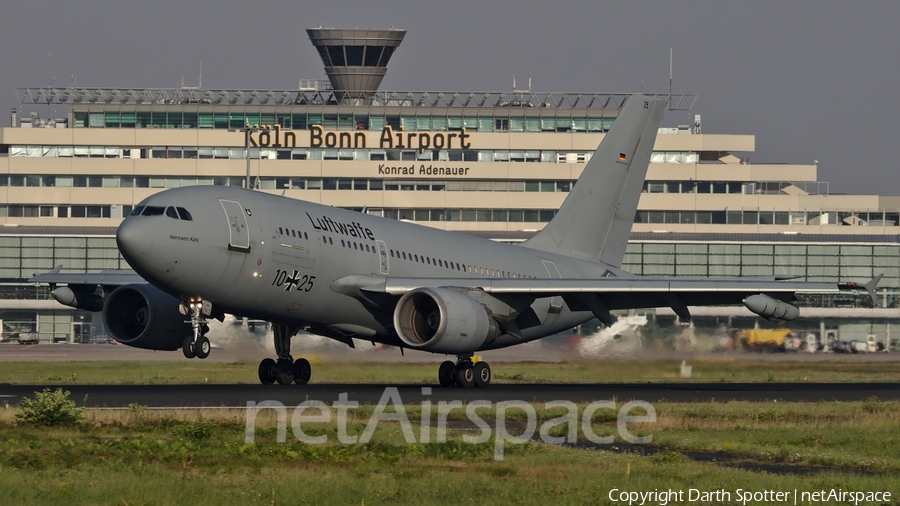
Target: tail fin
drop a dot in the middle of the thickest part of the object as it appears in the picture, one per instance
(595, 220)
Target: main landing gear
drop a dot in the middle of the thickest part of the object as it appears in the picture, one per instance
(197, 345)
(285, 370)
(464, 373)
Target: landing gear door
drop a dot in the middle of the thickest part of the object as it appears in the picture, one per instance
(239, 232)
(555, 302)
(384, 267)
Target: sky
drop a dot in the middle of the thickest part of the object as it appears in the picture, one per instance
(812, 80)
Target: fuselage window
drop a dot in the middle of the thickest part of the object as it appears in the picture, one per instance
(330, 241)
(342, 243)
(392, 253)
(428, 260)
(184, 214)
(279, 231)
(367, 248)
(171, 212)
(293, 233)
(153, 211)
(404, 255)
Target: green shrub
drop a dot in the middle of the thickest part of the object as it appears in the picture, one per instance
(196, 432)
(49, 409)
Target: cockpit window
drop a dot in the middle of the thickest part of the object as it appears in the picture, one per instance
(178, 213)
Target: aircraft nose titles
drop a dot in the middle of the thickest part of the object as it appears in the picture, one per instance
(183, 238)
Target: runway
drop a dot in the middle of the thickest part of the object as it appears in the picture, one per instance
(237, 396)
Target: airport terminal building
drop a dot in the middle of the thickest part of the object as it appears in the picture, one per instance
(495, 164)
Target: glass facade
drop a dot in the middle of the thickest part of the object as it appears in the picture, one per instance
(805, 262)
(571, 120)
(819, 217)
(23, 256)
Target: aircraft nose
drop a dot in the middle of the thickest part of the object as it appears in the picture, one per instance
(134, 240)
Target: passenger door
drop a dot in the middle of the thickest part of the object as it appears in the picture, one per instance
(385, 266)
(239, 232)
(553, 273)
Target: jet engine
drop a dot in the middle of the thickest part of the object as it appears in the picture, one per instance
(142, 316)
(767, 307)
(443, 321)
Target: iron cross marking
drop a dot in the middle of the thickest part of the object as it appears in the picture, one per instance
(293, 281)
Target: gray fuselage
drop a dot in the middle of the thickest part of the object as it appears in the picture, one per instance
(276, 258)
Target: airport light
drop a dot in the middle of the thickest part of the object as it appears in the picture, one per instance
(247, 131)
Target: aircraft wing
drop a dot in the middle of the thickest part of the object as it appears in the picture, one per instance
(548, 287)
(605, 294)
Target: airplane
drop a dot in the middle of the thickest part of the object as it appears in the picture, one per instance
(201, 252)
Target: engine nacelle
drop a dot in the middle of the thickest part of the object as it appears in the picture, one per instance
(767, 307)
(143, 316)
(443, 321)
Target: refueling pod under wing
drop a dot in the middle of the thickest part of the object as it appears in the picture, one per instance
(767, 307)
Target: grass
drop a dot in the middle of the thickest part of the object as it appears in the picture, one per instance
(854, 435)
(141, 456)
(709, 369)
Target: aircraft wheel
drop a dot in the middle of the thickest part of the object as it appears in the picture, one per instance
(188, 347)
(482, 373)
(302, 371)
(267, 371)
(202, 347)
(445, 374)
(465, 375)
(284, 372)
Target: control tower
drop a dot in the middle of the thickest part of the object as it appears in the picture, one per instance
(355, 60)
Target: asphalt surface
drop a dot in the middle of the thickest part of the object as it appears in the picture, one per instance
(237, 396)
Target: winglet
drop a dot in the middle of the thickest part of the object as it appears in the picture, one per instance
(869, 287)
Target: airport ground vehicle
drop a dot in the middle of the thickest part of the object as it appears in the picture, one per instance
(764, 340)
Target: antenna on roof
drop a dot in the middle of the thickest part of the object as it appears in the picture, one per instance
(669, 100)
(522, 91)
(199, 80)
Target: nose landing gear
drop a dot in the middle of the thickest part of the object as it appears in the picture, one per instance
(285, 370)
(464, 373)
(196, 345)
